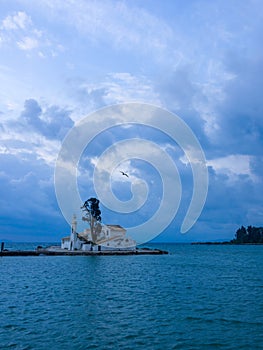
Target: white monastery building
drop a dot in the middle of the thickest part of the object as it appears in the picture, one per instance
(108, 237)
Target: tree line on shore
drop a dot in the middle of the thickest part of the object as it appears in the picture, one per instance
(251, 234)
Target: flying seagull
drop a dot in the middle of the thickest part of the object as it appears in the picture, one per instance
(123, 173)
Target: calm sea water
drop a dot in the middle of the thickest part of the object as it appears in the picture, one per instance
(197, 297)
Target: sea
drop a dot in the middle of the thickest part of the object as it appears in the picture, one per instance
(195, 297)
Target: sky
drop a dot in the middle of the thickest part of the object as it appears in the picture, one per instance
(62, 61)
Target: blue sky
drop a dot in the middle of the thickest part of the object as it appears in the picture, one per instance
(60, 61)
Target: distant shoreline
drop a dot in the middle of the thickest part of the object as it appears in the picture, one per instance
(225, 243)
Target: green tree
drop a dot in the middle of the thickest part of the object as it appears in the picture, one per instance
(254, 235)
(251, 234)
(92, 214)
(241, 235)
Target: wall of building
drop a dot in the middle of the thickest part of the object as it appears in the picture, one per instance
(112, 237)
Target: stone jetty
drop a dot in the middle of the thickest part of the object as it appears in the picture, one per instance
(52, 251)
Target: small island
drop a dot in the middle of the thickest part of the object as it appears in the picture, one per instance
(98, 239)
(249, 235)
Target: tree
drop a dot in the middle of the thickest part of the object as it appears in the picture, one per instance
(241, 235)
(254, 235)
(93, 216)
(251, 234)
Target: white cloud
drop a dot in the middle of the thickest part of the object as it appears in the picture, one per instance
(115, 88)
(106, 166)
(24, 143)
(27, 43)
(122, 87)
(19, 29)
(20, 20)
(233, 165)
(37, 132)
(123, 26)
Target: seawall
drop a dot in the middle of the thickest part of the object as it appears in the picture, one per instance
(41, 252)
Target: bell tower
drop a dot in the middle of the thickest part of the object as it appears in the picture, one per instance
(74, 224)
(73, 233)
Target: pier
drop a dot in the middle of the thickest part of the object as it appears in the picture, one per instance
(60, 252)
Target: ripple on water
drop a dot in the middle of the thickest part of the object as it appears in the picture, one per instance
(195, 298)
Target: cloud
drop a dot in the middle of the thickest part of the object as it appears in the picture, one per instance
(19, 20)
(27, 200)
(38, 132)
(18, 30)
(123, 87)
(28, 43)
(241, 111)
(233, 165)
(229, 203)
(119, 52)
(52, 123)
(114, 88)
(126, 27)
(31, 113)
(177, 89)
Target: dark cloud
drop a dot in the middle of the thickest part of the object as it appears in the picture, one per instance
(53, 123)
(228, 206)
(229, 201)
(27, 200)
(241, 122)
(256, 164)
(89, 97)
(31, 114)
(177, 89)
(97, 97)
(178, 93)
(58, 122)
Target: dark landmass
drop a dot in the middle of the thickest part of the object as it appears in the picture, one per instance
(225, 243)
(249, 235)
(213, 243)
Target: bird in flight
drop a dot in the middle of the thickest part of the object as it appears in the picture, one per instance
(123, 173)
